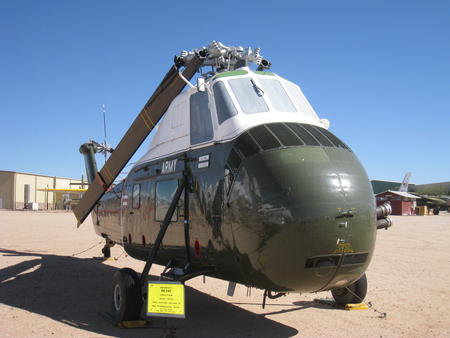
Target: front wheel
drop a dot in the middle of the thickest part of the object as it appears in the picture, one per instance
(127, 295)
(353, 293)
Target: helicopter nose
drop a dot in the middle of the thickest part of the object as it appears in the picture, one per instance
(297, 212)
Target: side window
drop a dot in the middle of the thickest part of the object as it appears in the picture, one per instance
(165, 190)
(136, 202)
(200, 121)
(299, 99)
(224, 106)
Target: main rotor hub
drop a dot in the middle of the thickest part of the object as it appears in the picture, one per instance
(224, 58)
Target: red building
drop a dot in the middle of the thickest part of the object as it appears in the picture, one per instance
(402, 203)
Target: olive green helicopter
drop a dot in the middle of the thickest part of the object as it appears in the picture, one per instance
(242, 182)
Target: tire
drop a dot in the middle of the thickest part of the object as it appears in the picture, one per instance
(127, 295)
(351, 294)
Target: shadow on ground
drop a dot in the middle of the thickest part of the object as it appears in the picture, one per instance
(73, 291)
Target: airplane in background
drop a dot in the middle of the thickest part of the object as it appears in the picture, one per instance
(405, 183)
(242, 181)
(434, 203)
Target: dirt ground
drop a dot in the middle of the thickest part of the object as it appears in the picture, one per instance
(50, 285)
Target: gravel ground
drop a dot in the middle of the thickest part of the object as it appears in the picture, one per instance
(51, 285)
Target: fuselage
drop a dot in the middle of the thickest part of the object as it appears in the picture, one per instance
(274, 200)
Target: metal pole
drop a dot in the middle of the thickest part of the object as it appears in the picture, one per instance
(162, 231)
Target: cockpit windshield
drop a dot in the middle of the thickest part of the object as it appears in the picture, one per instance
(277, 95)
(257, 95)
(248, 95)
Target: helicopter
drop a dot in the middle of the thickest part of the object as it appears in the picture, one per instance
(242, 182)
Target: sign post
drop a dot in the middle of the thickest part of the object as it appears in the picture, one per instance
(165, 299)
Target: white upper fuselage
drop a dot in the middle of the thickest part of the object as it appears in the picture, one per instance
(232, 103)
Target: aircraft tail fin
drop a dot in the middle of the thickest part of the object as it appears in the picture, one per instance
(405, 183)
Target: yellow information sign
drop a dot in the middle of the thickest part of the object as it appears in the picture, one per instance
(165, 299)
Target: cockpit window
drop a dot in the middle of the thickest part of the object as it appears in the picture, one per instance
(200, 121)
(299, 100)
(277, 95)
(248, 95)
(253, 95)
(224, 106)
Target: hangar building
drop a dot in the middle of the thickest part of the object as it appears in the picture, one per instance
(20, 191)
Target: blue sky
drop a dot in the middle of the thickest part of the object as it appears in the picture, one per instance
(378, 70)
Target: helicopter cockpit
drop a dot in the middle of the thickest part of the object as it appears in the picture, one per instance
(229, 101)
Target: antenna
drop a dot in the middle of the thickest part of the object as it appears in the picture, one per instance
(105, 147)
(104, 121)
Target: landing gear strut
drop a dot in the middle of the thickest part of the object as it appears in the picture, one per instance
(353, 293)
(127, 286)
(106, 251)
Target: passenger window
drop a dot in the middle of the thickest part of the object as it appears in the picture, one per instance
(165, 191)
(200, 121)
(136, 196)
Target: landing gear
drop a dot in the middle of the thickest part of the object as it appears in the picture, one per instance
(353, 293)
(127, 286)
(127, 295)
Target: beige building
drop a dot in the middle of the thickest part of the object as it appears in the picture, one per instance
(20, 191)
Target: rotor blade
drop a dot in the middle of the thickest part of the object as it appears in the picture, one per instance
(170, 87)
